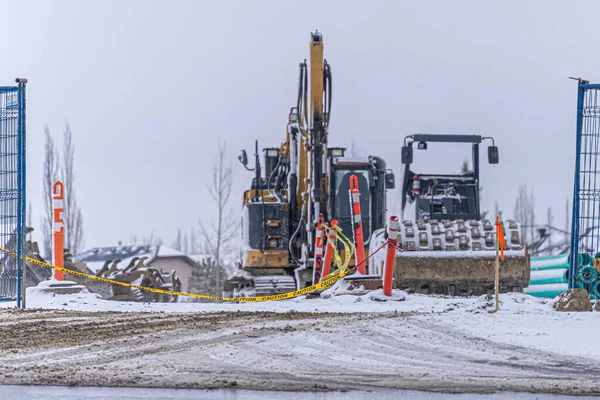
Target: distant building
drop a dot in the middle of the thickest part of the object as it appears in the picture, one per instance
(162, 258)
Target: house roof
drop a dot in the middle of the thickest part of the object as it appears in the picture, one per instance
(97, 256)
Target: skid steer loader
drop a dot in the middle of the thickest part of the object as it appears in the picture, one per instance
(448, 248)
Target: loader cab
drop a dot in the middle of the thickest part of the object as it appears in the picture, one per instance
(444, 196)
(373, 181)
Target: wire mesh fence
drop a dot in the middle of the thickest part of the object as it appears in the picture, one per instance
(12, 191)
(585, 233)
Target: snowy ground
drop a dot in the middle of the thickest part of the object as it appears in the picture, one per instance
(346, 342)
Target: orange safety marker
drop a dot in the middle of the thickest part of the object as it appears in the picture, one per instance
(58, 228)
(500, 238)
(319, 241)
(390, 258)
(357, 231)
(500, 246)
(330, 249)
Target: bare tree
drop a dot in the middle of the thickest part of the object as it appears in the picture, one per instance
(521, 211)
(185, 248)
(497, 211)
(133, 239)
(567, 219)
(147, 240)
(353, 150)
(193, 241)
(218, 239)
(177, 243)
(550, 223)
(152, 240)
(531, 211)
(49, 177)
(29, 219)
(72, 214)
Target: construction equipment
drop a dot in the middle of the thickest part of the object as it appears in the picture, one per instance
(303, 180)
(448, 248)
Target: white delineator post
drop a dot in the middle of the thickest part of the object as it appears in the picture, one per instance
(330, 248)
(319, 241)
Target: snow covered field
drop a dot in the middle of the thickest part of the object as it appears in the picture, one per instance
(346, 342)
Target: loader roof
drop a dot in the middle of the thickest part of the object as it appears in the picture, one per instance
(426, 137)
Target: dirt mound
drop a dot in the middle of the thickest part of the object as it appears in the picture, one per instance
(573, 300)
(597, 306)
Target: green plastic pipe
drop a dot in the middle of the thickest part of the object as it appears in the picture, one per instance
(550, 290)
(546, 276)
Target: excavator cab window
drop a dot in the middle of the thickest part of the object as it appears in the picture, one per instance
(342, 210)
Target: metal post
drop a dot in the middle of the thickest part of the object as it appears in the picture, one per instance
(574, 253)
(21, 231)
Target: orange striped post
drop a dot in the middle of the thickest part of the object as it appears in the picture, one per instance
(357, 230)
(390, 258)
(318, 267)
(500, 246)
(330, 249)
(58, 228)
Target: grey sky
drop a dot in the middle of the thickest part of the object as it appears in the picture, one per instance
(148, 87)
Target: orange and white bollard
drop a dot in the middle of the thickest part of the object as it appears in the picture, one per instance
(500, 247)
(357, 231)
(390, 259)
(58, 228)
(330, 248)
(319, 241)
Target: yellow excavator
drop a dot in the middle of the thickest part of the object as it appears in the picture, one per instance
(301, 182)
(449, 249)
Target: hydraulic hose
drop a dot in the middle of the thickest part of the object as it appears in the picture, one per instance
(295, 234)
(328, 90)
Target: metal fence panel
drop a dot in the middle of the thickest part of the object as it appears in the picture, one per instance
(585, 234)
(12, 192)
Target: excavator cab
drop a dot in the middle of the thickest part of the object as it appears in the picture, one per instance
(374, 179)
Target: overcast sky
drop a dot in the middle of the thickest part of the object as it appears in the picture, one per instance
(149, 87)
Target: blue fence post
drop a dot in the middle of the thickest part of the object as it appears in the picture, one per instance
(22, 231)
(13, 192)
(574, 253)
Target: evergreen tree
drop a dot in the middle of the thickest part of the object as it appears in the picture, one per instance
(203, 276)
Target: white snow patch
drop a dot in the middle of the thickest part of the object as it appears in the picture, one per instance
(378, 295)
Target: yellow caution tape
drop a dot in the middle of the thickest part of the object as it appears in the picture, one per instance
(348, 248)
(327, 281)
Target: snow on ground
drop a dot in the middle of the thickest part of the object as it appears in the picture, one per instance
(344, 342)
(522, 320)
(86, 301)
